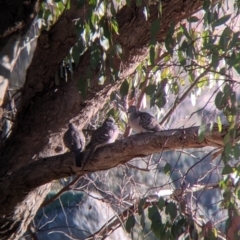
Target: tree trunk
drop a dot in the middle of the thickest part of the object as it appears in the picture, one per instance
(42, 123)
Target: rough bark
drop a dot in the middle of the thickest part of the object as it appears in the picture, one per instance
(41, 124)
(136, 146)
(28, 178)
(16, 16)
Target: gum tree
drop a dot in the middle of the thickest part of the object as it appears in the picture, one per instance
(93, 57)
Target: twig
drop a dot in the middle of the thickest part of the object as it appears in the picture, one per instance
(185, 94)
(64, 189)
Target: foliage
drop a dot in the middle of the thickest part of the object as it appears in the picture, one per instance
(201, 53)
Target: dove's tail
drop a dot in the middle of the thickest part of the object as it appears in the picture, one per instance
(79, 158)
(88, 156)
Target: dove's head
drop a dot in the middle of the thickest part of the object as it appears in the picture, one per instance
(70, 126)
(132, 110)
(109, 121)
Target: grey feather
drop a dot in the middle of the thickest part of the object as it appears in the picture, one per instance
(103, 135)
(74, 140)
(142, 121)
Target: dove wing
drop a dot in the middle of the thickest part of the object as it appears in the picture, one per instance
(100, 136)
(148, 122)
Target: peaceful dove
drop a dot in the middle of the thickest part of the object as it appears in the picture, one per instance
(74, 140)
(103, 135)
(142, 121)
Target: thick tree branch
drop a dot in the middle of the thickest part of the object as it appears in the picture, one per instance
(29, 177)
(47, 57)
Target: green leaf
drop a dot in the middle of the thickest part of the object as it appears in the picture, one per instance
(155, 26)
(201, 132)
(141, 206)
(225, 37)
(227, 89)
(161, 101)
(124, 88)
(113, 96)
(82, 87)
(185, 31)
(92, 2)
(236, 151)
(160, 8)
(221, 100)
(221, 20)
(222, 184)
(130, 223)
(75, 55)
(155, 217)
(190, 51)
(171, 209)
(150, 89)
(153, 214)
(142, 220)
(161, 203)
(238, 194)
(237, 63)
(68, 4)
(87, 32)
(228, 151)
(152, 54)
(175, 88)
(169, 44)
(215, 60)
(219, 122)
(209, 17)
(177, 228)
(234, 41)
(182, 58)
(227, 170)
(113, 113)
(213, 235)
(193, 19)
(206, 5)
(226, 138)
(114, 25)
(167, 168)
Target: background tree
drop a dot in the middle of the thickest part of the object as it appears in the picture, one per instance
(125, 52)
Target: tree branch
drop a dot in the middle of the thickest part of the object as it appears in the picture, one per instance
(29, 177)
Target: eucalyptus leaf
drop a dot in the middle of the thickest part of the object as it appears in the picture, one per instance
(150, 89)
(227, 170)
(130, 223)
(171, 209)
(124, 88)
(221, 20)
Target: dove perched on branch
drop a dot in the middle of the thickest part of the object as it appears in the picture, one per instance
(142, 121)
(103, 135)
(74, 140)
